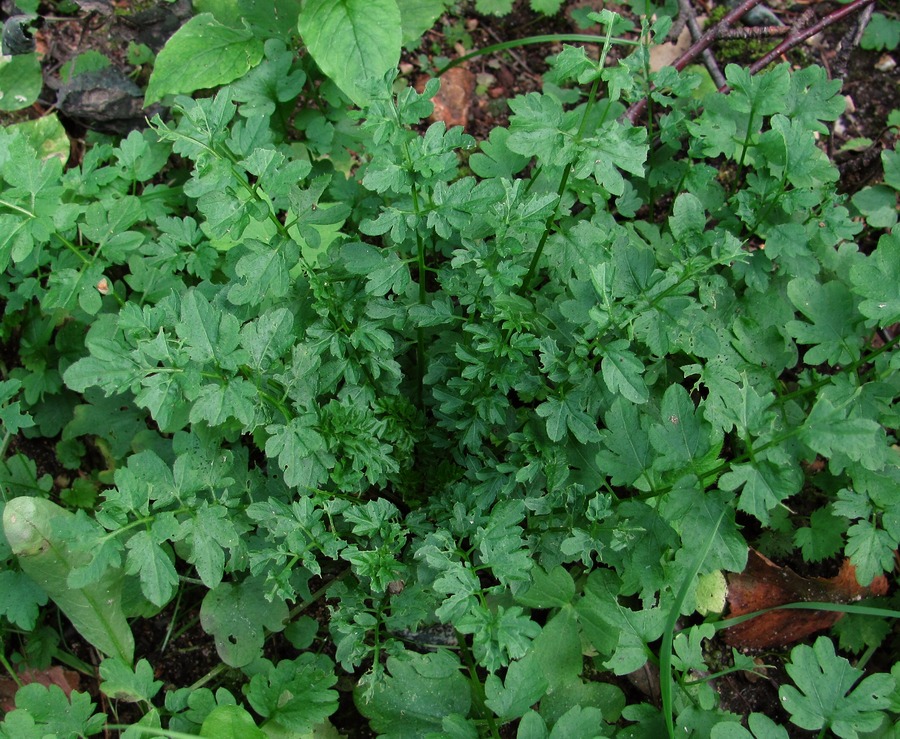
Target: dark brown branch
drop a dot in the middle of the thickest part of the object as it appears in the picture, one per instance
(686, 10)
(696, 49)
(798, 37)
(751, 32)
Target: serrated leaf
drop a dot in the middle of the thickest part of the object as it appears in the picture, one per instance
(628, 456)
(622, 372)
(822, 538)
(829, 432)
(209, 335)
(121, 682)
(871, 550)
(215, 54)
(825, 696)
(51, 713)
(834, 328)
(295, 695)
(268, 337)
(301, 453)
(680, 437)
(20, 599)
(764, 484)
(157, 572)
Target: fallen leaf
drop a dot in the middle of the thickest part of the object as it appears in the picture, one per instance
(763, 584)
(68, 680)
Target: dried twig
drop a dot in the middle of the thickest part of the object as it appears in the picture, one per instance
(797, 37)
(696, 49)
(686, 10)
(752, 32)
(850, 41)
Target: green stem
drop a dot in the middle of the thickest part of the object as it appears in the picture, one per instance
(477, 687)
(13, 206)
(9, 668)
(548, 225)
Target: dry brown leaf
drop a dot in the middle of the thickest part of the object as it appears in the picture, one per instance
(68, 680)
(763, 584)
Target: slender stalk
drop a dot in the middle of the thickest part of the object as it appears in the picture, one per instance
(477, 686)
(564, 180)
(9, 668)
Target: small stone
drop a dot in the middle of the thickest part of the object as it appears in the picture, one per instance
(886, 63)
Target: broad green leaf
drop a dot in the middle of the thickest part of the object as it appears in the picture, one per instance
(539, 128)
(825, 696)
(823, 537)
(354, 42)
(157, 571)
(493, 7)
(495, 158)
(301, 453)
(419, 691)
(680, 437)
(214, 53)
(577, 721)
(761, 727)
(547, 7)
(522, 687)
(237, 616)
(871, 550)
(210, 335)
(230, 722)
(878, 280)
(20, 81)
(615, 629)
(96, 610)
(830, 432)
(882, 32)
(551, 589)
(418, 16)
(878, 203)
(217, 403)
(564, 413)
(46, 135)
(694, 514)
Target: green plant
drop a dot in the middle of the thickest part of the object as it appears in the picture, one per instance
(506, 387)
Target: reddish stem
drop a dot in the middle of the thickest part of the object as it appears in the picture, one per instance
(697, 48)
(799, 37)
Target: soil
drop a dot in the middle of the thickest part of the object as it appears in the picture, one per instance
(870, 84)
